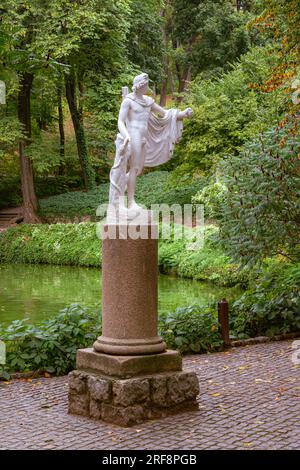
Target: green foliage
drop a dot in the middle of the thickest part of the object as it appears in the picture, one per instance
(209, 263)
(70, 244)
(227, 113)
(272, 304)
(152, 188)
(102, 100)
(50, 346)
(212, 197)
(144, 44)
(10, 188)
(78, 245)
(261, 214)
(191, 329)
(211, 33)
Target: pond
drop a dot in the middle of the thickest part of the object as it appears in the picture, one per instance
(38, 292)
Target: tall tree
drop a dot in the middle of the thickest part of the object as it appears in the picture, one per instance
(145, 38)
(19, 26)
(30, 203)
(76, 115)
(205, 36)
(61, 127)
(88, 36)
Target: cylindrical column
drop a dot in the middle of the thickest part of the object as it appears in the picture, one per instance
(129, 295)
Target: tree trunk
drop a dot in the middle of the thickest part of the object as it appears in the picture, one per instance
(30, 203)
(61, 130)
(164, 83)
(183, 83)
(80, 101)
(163, 91)
(87, 170)
(171, 81)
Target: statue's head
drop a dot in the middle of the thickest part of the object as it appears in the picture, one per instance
(140, 81)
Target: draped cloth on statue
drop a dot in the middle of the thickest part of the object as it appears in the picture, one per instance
(163, 133)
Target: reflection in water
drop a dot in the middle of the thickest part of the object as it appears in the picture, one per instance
(40, 291)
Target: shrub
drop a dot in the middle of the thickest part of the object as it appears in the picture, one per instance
(66, 244)
(11, 194)
(272, 305)
(50, 346)
(227, 112)
(212, 197)
(191, 329)
(261, 214)
(207, 264)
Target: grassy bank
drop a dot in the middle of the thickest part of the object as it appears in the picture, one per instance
(78, 245)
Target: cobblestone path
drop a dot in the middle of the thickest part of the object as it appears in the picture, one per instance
(249, 399)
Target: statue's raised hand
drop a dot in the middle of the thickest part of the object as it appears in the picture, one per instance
(188, 113)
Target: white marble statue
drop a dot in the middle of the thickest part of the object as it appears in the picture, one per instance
(146, 138)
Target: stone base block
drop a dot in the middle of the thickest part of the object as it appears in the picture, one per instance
(127, 366)
(127, 402)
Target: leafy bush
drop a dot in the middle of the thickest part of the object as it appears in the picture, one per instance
(212, 197)
(227, 113)
(70, 244)
(209, 263)
(272, 305)
(10, 192)
(261, 213)
(191, 329)
(50, 346)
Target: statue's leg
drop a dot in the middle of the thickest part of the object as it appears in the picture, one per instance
(137, 148)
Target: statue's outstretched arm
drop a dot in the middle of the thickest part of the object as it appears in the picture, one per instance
(187, 113)
(158, 109)
(122, 119)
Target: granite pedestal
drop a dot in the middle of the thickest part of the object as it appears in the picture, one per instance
(129, 376)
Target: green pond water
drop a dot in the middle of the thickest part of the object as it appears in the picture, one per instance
(38, 292)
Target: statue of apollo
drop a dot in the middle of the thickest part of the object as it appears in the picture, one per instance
(146, 138)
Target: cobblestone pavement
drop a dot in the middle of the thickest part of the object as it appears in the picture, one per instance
(249, 399)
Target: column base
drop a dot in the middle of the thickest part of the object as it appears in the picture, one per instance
(127, 402)
(127, 366)
(128, 347)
